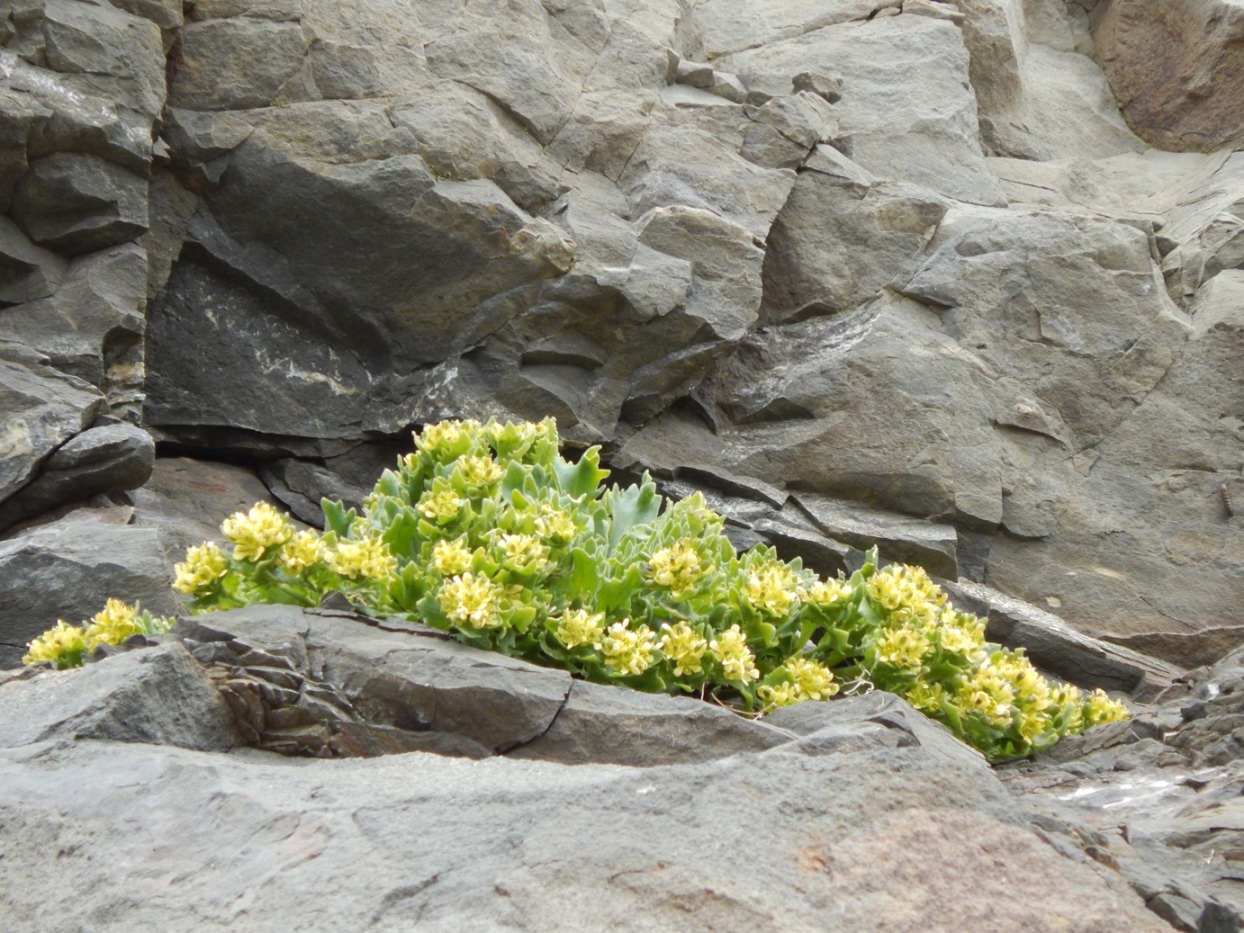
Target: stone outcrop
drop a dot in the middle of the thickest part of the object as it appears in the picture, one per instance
(959, 279)
(908, 256)
(552, 804)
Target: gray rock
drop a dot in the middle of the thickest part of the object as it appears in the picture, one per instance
(111, 458)
(43, 408)
(76, 203)
(907, 111)
(1057, 648)
(927, 544)
(612, 725)
(157, 696)
(68, 568)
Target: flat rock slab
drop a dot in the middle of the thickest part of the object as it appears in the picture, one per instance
(177, 840)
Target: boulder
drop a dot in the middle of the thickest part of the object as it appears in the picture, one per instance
(109, 458)
(1175, 68)
(67, 569)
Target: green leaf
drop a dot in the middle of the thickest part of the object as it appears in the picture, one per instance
(336, 518)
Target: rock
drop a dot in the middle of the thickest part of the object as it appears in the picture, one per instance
(111, 458)
(613, 725)
(1175, 69)
(68, 568)
(880, 230)
(907, 112)
(185, 501)
(899, 538)
(76, 203)
(158, 696)
(44, 409)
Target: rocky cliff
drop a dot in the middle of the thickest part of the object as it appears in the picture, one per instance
(965, 279)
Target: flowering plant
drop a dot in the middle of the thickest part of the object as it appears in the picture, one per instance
(64, 645)
(487, 533)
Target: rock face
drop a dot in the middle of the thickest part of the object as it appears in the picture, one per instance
(857, 809)
(909, 257)
(904, 272)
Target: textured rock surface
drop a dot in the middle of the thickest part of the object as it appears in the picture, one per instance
(857, 809)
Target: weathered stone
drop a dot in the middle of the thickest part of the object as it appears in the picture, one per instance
(68, 569)
(235, 63)
(880, 232)
(612, 725)
(897, 537)
(76, 203)
(158, 696)
(1176, 69)
(1055, 647)
(907, 111)
(43, 408)
(111, 458)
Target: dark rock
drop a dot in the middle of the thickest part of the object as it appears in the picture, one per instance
(104, 459)
(68, 569)
(158, 696)
(77, 203)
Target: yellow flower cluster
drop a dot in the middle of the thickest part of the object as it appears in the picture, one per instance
(902, 588)
(471, 601)
(303, 550)
(683, 647)
(735, 657)
(524, 553)
(628, 650)
(825, 593)
(677, 567)
(254, 532)
(903, 646)
(808, 680)
(447, 439)
(451, 557)
(61, 645)
(203, 566)
(580, 627)
(441, 507)
(366, 558)
(112, 624)
(555, 525)
(479, 472)
(772, 589)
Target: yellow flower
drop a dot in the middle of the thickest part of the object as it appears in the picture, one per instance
(580, 627)
(780, 694)
(555, 525)
(368, 558)
(902, 587)
(736, 658)
(627, 650)
(677, 567)
(825, 593)
(302, 551)
(441, 507)
(479, 471)
(203, 566)
(684, 648)
(112, 624)
(926, 697)
(62, 645)
(451, 557)
(471, 601)
(989, 693)
(254, 532)
(1099, 708)
(447, 439)
(524, 553)
(772, 589)
(813, 680)
(903, 647)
